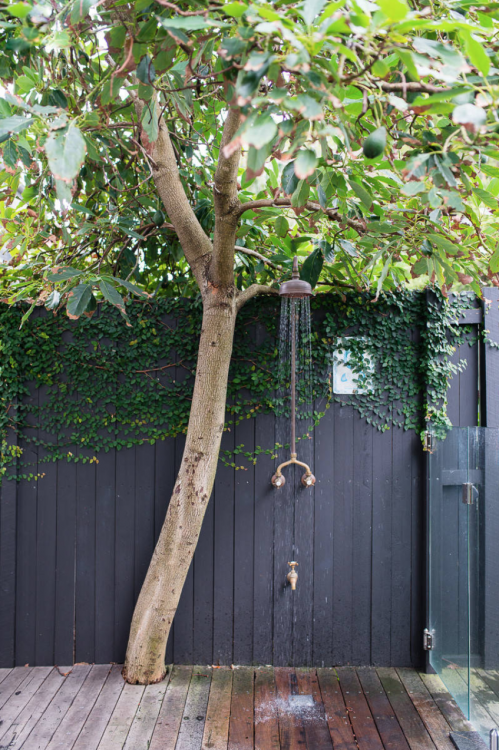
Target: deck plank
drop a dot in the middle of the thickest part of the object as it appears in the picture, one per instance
(68, 730)
(4, 672)
(12, 682)
(190, 735)
(170, 715)
(491, 677)
(407, 715)
(21, 697)
(434, 721)
(216, 728)
(387, 724)
(21, 727)
(122, 717)
(446, 703)
(242, 709)
(291, 729)
(98, 718)
(266, 719)
(363, 724)
(139, 736)
(484, 693)
(314, 720)
(43, 731)
(336, 712)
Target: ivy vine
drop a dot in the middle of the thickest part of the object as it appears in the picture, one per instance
(74, 389)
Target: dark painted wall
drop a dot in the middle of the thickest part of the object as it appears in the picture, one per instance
(74, 549)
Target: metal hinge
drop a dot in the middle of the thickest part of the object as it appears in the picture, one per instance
(427, 639)
(429, 442)
(470, 493)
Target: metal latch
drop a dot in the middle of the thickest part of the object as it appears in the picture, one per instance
(427, 639)
(428, 443)
(470, 493)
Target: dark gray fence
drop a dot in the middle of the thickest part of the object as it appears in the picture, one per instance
(74, 549)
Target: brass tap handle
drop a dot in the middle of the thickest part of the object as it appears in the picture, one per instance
(292, 576)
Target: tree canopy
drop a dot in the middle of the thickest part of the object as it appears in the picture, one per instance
(369, 132)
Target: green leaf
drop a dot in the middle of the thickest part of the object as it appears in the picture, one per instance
(395, 10)
(10, 154)
(145, 70)
(311, 9)
(112, 295)
(14, 124)
(312, 267)
(361, 193)
(348, 248)
(300, 195)
(476, 53)
(485, 197)
(494, 261)
(289, 180)
(65, 153)
(413, 188)
(149, 122)
(132, 287)
(261, 132)
(62, 274)
(305, 163)
(19, 10)
(236, 10)
(281, 226)
(443, 243)
(79, 299)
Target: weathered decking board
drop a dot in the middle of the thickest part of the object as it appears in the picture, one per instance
(241, 708)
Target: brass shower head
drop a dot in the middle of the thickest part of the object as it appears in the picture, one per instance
(296, 287)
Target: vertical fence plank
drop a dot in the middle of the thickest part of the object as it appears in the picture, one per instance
(244, 531)
(85, 563)
(8, 518)
(323, 542)
(303, 597)
(203, 591)
(491, 511)
(105, 551)
(381, 548)
(361, 540)
(125, 548)
(343, 535)
(144, 512)
(264, 541)
(45, 549)
(400, 651)
(26, 544)
(223, 618)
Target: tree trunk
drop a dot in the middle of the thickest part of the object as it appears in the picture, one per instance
(160, 594)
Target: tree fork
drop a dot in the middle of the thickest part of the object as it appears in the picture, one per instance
(161, 590)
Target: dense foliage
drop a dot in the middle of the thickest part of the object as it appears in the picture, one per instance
(370, 138)
(74, 389)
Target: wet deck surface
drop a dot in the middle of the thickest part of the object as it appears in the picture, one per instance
(242, 708)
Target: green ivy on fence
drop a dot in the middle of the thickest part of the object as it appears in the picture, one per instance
(73, 389)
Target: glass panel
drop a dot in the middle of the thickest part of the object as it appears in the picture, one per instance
(463, 548)
(449, 564)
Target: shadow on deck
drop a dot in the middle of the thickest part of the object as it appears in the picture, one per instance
(350, 708)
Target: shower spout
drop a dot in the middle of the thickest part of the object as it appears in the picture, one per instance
(294, 289)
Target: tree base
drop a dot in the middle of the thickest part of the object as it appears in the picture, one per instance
(141, 676)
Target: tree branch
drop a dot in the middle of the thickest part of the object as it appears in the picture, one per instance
(253, 291)
(195, 243)
(429, 88)
(255, 254)
(226, 205)
(357, 224)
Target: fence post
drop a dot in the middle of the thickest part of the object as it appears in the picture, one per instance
(490, 504)
(8, 523)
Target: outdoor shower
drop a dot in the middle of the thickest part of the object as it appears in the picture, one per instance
(295, 316)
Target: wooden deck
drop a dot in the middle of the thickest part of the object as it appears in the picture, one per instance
(208, 708)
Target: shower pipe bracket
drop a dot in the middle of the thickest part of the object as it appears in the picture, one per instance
(308, 479)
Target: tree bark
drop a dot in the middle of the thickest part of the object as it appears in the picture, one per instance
(160, 593)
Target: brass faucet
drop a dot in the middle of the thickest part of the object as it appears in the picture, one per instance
(292, 575)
